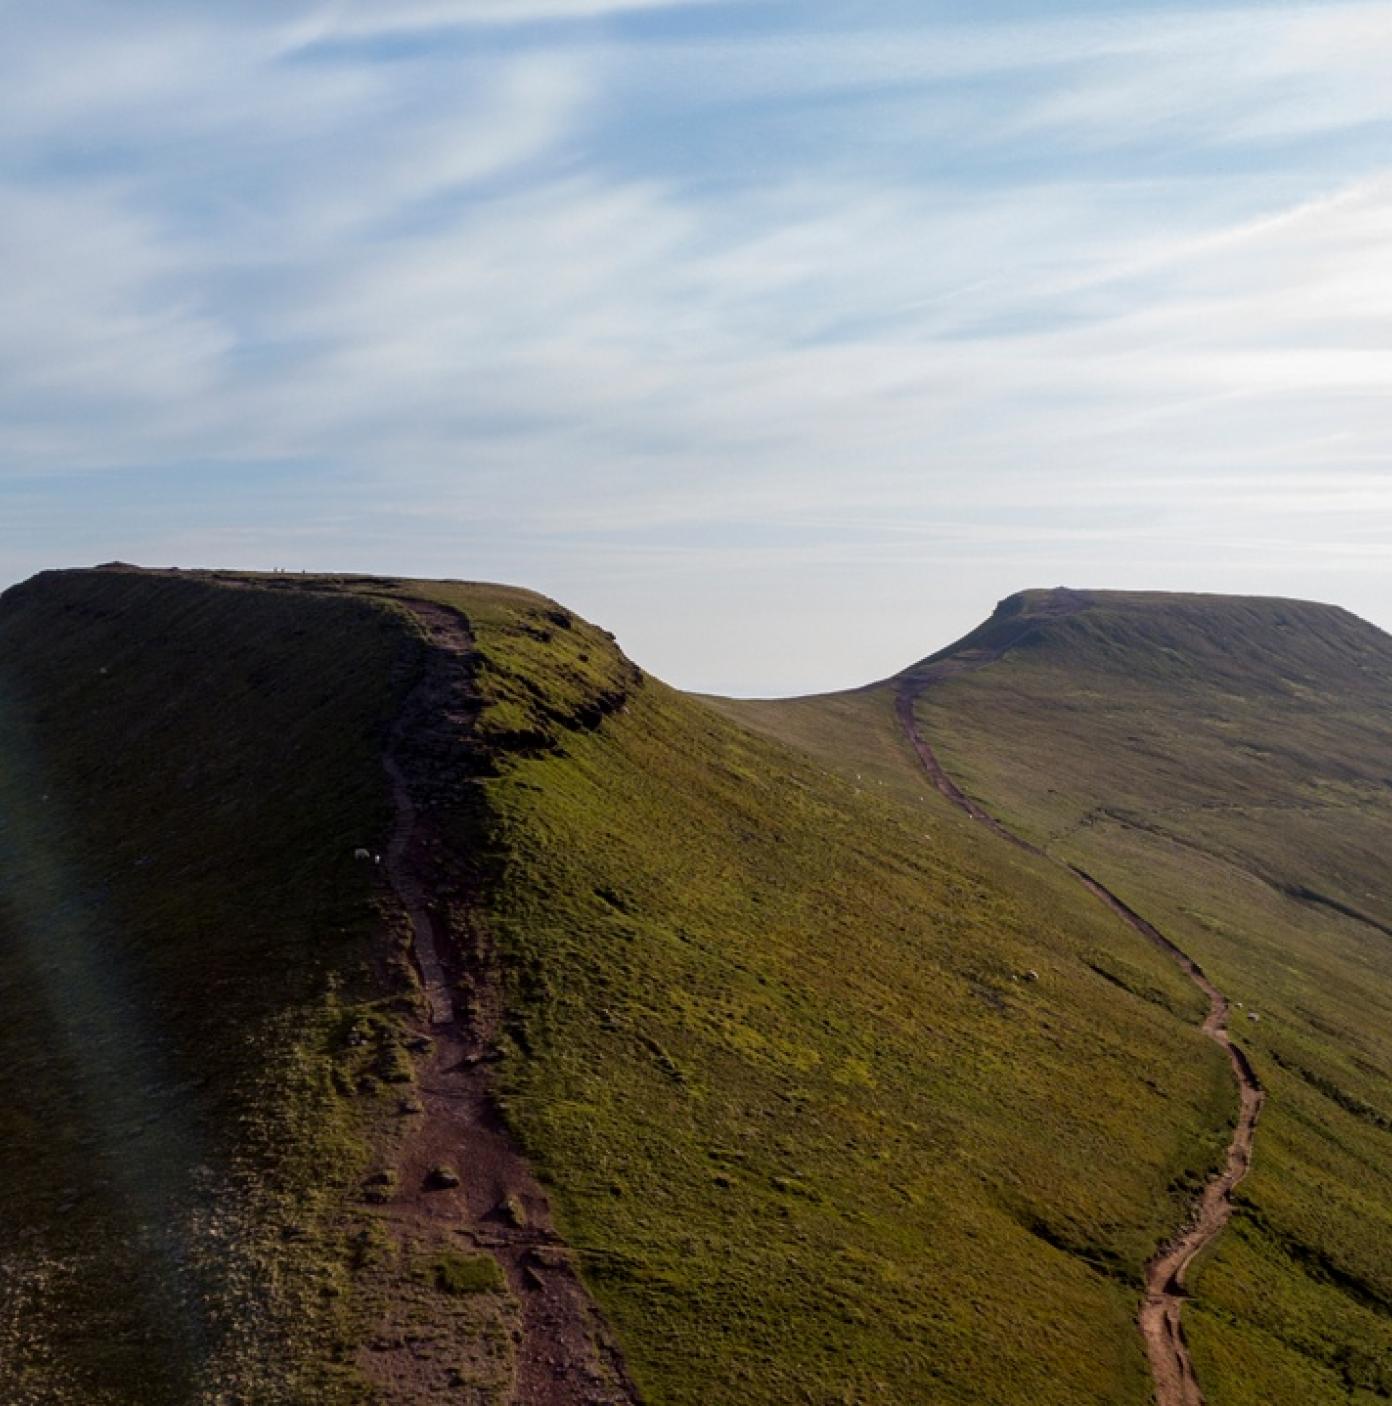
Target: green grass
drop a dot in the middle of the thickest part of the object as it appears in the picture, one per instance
(810, 1137)
(466, 1274)
(186, 941)
(1209, 759)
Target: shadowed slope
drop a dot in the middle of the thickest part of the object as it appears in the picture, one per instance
(184, 773)
(272, 1102)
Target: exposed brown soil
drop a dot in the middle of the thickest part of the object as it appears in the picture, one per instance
(1172, 1370)
(546, 1343)
(904, 707)
(1159, 1319)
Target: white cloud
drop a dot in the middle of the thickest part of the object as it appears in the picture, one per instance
(507, 316)
(362, 19)
(96, 331)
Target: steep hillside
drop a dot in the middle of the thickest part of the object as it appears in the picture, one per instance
(816, 1137)
(827, 1095)
(184, 941)
(1223, 766)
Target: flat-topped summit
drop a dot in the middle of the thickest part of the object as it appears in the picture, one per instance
(1254, 642)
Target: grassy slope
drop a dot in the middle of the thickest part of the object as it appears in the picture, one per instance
(1206, 757)
(186, 770)
(814, 1142)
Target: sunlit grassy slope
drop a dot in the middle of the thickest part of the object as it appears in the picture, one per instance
(1226, 766)
(813, 1139)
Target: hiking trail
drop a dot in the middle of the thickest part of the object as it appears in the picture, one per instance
(563, 1353)
(1159, 1317)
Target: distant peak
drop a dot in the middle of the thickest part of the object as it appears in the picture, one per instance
(1047, 603)
(1250, 641)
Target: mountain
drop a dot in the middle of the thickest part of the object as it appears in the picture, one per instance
(1224, 766)
(405, 998)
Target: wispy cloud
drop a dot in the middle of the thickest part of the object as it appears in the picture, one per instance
(361, 18)
(581, 290)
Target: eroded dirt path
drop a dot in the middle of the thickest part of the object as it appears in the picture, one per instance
(1172, 1370)
(550, 1346)
(1175, 1381)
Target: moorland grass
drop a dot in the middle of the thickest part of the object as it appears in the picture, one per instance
(466, 1274)
(1224, 765)
(809, 1135)
(811, 1139)
(187, 941)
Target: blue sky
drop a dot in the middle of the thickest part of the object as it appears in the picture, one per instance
(781, 338)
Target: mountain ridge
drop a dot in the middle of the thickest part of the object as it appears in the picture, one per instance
(832, 1092)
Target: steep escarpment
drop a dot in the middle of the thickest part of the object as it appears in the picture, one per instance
(250, 1014)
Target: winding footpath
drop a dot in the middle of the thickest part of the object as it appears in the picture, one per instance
(1172, 1370)
(563, 1353)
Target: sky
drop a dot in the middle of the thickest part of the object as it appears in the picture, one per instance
(783, 338)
